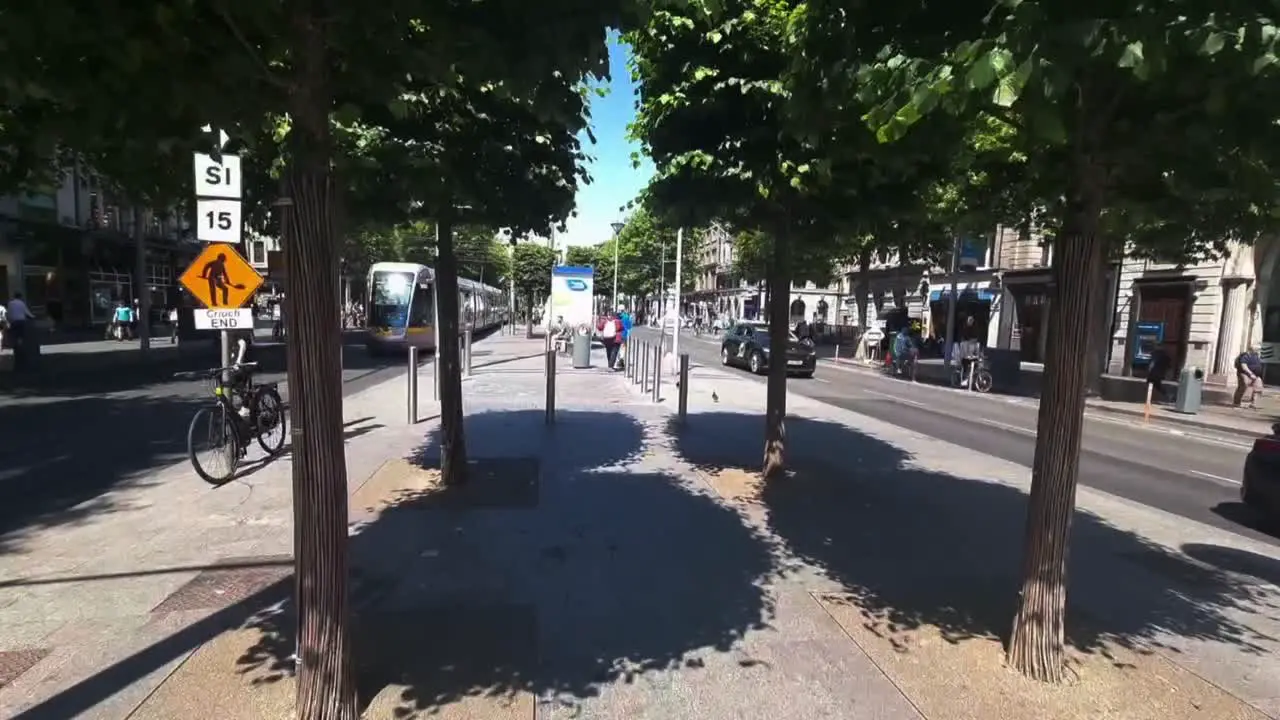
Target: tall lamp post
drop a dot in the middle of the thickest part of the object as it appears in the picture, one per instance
(617, 231)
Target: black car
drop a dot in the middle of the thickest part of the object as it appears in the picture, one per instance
(747, 345)
(1260, 488)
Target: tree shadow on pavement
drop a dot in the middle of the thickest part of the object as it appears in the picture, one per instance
(1235, 560)
(913, 547)
(561, 567)
(60, 457)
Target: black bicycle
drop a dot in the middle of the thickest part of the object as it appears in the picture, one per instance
(241, 411)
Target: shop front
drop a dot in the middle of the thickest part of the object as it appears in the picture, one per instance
(1022, 327)
(973, 313)
(74, 278)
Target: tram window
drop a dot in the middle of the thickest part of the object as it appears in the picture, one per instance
(420, 307)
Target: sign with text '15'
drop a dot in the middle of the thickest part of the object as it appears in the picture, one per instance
(220, 278)
(218, 221)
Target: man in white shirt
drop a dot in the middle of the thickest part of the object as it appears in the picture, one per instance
(18, 315)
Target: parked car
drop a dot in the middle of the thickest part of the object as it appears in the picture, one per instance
(747, 345)
(1260, 488)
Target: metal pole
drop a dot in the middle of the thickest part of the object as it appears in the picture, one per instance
(466, 335)
(615, 271)
(224, 343)
(413, 385)
(551, 386)
(435, 328)
(682, 408)
(951, 303)
(644, 368)
(675, 336)
(662, 289)
(657, 374)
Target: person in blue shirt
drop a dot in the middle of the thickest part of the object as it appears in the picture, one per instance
(627, 322)
(123, 319)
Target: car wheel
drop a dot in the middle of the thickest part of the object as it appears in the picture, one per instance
(805, 375)
(724, 356)
(757, 363)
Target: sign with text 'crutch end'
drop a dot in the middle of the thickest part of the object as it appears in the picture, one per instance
(220, 278)
(218, 221)
(218, 178)
(241, 319)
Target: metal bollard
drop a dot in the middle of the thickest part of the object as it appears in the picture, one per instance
(644, 369)
(657, 373)
(682, 407)
(413, 385)
(466, 341)
(551, 386)
(435, 376)
(636, 357)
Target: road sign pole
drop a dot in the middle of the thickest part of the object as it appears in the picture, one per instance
(224, 344)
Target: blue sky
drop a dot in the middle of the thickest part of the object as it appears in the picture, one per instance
(614, 181)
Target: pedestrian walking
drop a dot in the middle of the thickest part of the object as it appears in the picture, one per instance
(1248, 378)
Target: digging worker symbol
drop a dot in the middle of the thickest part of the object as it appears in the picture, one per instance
(215, 272)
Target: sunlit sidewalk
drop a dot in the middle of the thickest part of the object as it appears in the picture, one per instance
(621, 564)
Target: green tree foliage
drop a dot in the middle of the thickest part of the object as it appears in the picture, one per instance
(482, 255)
(1125, 127)
(531, 271)
(647, 255)
(581, 255)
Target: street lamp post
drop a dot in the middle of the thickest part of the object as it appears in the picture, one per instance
(617, 231)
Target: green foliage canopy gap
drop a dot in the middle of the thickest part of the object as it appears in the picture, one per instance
(482, 255)
(647, 255)
(531, 271)
(1140, 94)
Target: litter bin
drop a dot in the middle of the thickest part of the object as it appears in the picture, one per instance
(1190, 388)
(581, 350)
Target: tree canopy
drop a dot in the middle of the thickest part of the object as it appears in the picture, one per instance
(531, 271)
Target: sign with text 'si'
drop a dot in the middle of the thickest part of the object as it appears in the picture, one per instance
(218, 184)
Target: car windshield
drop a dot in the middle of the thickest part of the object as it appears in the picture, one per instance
(762, 335)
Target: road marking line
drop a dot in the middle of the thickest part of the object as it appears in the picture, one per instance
(1006, 426)
(818, 379)
(895, 398)
(1211, 476)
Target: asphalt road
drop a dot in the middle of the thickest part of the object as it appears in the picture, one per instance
(65, 445)
(1185, 471)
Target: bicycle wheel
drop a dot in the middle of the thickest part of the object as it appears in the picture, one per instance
(271, 420)
(982, 381)
(212, 428)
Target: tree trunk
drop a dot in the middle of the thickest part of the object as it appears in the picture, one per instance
(142, 286)
(862, 287)
(528, 316)
(1036, 645)
(326, 690)
(453, 445)
(775, 413)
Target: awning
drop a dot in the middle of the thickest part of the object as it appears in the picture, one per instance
(981, 294)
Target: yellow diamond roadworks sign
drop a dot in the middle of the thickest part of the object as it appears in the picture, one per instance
(221, 278)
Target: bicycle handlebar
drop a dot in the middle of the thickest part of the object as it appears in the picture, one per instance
(193, 374)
